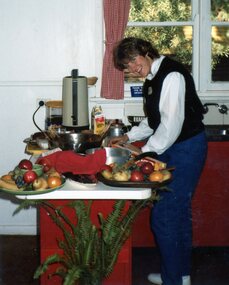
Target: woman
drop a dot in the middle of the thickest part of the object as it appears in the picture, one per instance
(174, 130)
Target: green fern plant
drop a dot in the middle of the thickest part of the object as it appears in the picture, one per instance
(89, 252)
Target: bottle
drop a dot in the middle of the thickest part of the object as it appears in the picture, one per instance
(98, 121)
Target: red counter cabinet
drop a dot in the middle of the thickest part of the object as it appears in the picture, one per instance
(210, 204)
(50, 233)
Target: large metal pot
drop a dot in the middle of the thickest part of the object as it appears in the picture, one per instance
(117, 155)
(79, 142)
(116, 129)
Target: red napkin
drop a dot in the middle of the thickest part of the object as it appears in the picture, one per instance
(69, 161)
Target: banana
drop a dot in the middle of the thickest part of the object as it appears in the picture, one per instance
(8, 184)
(8, 178)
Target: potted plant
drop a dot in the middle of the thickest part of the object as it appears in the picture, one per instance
(89, 252)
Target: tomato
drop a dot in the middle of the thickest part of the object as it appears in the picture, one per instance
(45, 163)
(25, 164)
(29, 176)
(54, 181)
(147, 168)
(136, 175)
(156, 176)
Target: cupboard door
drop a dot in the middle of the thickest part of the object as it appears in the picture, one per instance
(210, 204)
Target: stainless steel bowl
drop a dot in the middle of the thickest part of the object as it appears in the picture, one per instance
(117, 155)
(78, 142)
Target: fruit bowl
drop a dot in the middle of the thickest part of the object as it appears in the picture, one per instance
(36, 168)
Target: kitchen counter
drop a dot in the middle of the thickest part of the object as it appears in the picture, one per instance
(74, 190)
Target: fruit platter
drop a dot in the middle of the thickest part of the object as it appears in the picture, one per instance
(143, 173)
(29, 178)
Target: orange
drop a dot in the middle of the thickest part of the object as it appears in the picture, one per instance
(156, 176)
(54, 181)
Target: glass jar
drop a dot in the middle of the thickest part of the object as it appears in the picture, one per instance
(54, 111)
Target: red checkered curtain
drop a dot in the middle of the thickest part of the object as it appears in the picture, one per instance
(116, 13)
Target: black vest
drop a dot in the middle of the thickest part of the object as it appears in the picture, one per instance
(192, 124)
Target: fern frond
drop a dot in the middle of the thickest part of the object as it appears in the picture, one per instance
(84, 223)
(111, 223)
(55, 258)
(25, 204)
(88, 254)
(72, 275)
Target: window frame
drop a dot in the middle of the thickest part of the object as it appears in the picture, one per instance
(201, 67)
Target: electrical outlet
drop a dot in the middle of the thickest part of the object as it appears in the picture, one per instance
(40, 100)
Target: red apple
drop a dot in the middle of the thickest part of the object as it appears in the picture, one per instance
(136, 176)
(45, 163)
(25, 164)
(29, 176)
(147, 168)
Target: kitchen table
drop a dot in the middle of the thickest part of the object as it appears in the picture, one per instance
(103, 200)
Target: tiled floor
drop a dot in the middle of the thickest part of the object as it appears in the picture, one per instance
(19, 257)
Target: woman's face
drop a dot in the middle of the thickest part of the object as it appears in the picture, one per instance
(140, 65)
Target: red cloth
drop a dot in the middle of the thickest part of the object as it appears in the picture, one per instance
(69, 161)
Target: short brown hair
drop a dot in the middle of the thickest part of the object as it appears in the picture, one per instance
(128, 48)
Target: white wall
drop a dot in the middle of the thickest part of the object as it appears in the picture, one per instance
(41, 42)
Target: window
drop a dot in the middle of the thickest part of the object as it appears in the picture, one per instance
(194, 32)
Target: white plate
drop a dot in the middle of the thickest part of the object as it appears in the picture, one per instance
(76, 183)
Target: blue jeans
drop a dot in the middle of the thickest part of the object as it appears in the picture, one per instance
(171, 217)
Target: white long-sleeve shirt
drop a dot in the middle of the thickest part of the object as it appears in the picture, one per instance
(171, 107)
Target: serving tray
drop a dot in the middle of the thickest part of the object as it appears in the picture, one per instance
(32, 192)
(143, 184)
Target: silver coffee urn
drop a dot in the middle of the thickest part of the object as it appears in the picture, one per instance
(75, 102)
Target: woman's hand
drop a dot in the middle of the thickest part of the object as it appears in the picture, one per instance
(118, 140)
(134, 150)
(121, 142)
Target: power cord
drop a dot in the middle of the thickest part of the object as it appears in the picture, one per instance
(41, 103)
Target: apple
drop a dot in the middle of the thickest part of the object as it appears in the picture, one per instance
(122, 175)
(29, 176)
(107, 174)
(25, 164)
(45, 163)
(40, 183)
(136, 176)
(147, 168)
(166, 174)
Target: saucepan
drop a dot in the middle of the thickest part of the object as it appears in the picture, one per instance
(114, 155)
(79, 142)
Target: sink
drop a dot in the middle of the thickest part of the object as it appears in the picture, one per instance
(217, 132)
